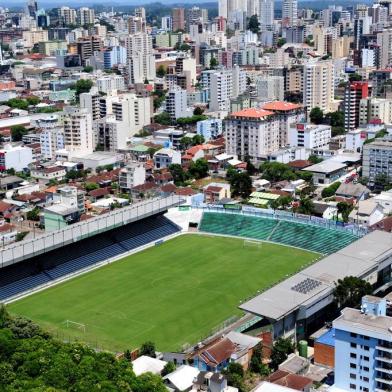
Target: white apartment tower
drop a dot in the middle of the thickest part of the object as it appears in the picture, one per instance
(318, 86)
(289, 12)
(141, 60)
(78, 131)
(176, 103)
(266, 14)
(86, 16)
(68, 15)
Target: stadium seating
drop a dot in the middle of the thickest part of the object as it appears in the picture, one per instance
(72, 258)
(301, 235)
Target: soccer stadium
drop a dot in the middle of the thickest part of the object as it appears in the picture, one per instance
(150, 274)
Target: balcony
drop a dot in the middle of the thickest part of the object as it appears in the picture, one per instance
(386, 349)
(384, 359)
(383, 380)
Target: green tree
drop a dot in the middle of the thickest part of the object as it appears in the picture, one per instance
(316, 115)
(241, 184)
(280, 42)
(33, 100)
(33, 214)
(178, 174)
(185, 142)
(329, 191)
(198, 111)
(314, 159)
(213, 63)
(17, 132)
(18, 103)
(90, 186)
(168, 368)
(306, 206)
(344, 210)
(198, 169)
(354, 77)
(83, 86)
(276, 171)
(161, 71)
(148, 348)
(280, 351)
(197, 140)
(253, 24)
(88, 69)
(335, 119)
(349, 291)
(163, 118)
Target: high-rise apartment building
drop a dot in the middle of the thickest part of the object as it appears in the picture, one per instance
(266, 14)
(353, 93)
(78, 131)
(270, 88)
(384, 42)
(176, 103)
(141, 60)
(68, 15)
(363, 349)
(289, 12)
(110, 134)
(178, 15)
(377, 159)
(86, 16)
(318, 86)
(87, 46)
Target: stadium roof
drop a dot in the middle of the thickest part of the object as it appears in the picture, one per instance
(316, 282)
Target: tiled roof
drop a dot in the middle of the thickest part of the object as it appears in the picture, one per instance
(218, 352)
(168, 188)
(252, 113)
(281, 106)
(99, 192)
(186, 191)
(5, 206)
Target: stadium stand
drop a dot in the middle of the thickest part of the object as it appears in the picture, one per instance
(306, 236)
(42, 269)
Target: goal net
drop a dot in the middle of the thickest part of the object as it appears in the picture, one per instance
(75, 325)
(255, 244)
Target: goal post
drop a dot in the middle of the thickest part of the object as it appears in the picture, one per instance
(255, 244)
(74, 324)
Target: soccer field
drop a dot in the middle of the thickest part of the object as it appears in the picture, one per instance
(172, 294)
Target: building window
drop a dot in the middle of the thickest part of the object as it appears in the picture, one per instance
(353, 345)
(353, 386)
(353, 355)
(353, 366)
(353, 335)
(366, 348)
(353, 376)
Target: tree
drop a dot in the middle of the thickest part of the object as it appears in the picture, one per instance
(17, 132)
(178, 174)
(250, 167)
(33, 214)
(213, 63)
(354, 77)
(280, 42)
(168, 368)
(185, 142)
(148, 348)
(18, 103)
(335, 119)
(33, 100)
(90, 186)
(314, 159)
(253, 24)
(280, 351)
(235, 376)
(83, 86)
(316, 115)
(161, 71)
(199, 169)
(349, 291)
(88, 69)
(241, 184)
(306, 206)
(163, 118)
(344, 210)
(197, 140)
(198, 111)
(276, 171)
(329, 191)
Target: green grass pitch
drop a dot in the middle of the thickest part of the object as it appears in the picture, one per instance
(172, 294)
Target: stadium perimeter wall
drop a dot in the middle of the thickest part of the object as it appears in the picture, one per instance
(25, 249)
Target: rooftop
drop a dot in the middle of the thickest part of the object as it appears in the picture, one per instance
(327, 166)
(252, 113)
(281, 106)
(359, 258)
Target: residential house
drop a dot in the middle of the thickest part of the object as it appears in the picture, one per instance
(384, 225)
(216, 191)
(165, 157)
(193, 154)
(47, 173)
(181, 379)
(384, 199)
(326, 172)
(212, 382)
(293, 381)
(352, 191)
(367, 213)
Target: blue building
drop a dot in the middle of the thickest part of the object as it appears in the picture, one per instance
(114, 56)
(210, 129)
(363, 348)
